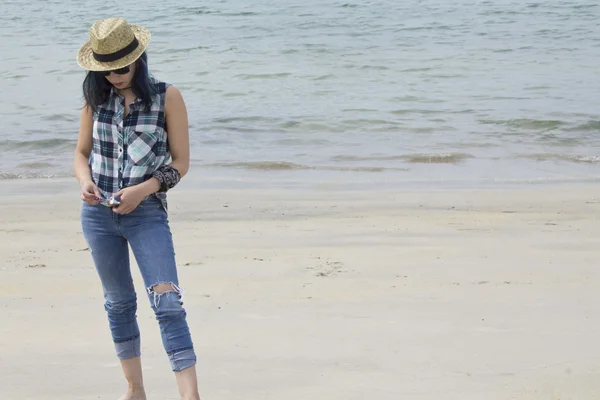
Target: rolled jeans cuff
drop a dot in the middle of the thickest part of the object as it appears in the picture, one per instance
(183, 359)
(128, 349)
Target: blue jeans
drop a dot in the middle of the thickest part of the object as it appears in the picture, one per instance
(146, 230)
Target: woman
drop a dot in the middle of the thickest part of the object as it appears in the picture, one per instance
(133, 147)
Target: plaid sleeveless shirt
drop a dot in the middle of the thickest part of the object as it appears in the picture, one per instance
(126, 151)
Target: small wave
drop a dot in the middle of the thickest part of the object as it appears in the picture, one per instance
(182, 50)
(195, 10)
(416, 28)
(254, 118)
(406, 98)
(288, 166)
(442, 158)
(585, 127)
(415, 111)
(36, 144)
(572, 158)
(61, 117)
(62, 72)
(262, 165)
(538, 87)
(236, 129)
(365, 121)
(304, 142)
(360, 169)
(32, 175)
(323, 92)
(498, 12)
(446, 76)
(347, 158)
(374, 67)
(414, 99)
(290, 124)
(323, 77)
(360, 110)
(36, 165)
(198, 90)
(239, 14)
(307, 126)
(423, 69)
(424, 129)
(525, 123)
(263, 76)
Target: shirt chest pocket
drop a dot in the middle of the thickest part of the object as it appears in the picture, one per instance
(144, 146)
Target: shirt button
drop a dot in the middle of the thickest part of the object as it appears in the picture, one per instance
(120, 149)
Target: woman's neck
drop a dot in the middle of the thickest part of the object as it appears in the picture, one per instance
(124, 91)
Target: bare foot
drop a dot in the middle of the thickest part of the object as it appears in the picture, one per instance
(138, 394)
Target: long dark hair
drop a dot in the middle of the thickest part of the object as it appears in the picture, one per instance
(96, 88)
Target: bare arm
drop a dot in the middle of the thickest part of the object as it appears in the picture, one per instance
(89, 190)
(84, 146)
(178, 138)
(177, 128)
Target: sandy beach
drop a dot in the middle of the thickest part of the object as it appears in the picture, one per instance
(449, 294)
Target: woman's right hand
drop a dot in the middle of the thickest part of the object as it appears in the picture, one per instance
(90, 193)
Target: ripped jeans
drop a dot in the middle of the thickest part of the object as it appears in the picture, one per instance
(146, 230)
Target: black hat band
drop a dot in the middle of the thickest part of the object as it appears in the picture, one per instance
(117, 54)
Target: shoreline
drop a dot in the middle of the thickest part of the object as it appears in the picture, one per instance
(193, 182)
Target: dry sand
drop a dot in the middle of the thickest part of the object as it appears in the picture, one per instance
(321, 295)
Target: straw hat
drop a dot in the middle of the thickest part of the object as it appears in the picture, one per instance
(113, 44)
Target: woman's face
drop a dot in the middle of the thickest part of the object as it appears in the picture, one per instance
(121, 78)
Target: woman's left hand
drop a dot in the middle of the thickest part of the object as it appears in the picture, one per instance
(131, 197)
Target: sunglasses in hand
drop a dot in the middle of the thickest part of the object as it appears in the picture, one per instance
(109, 202)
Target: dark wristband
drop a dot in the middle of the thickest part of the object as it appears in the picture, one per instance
(168, 177)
